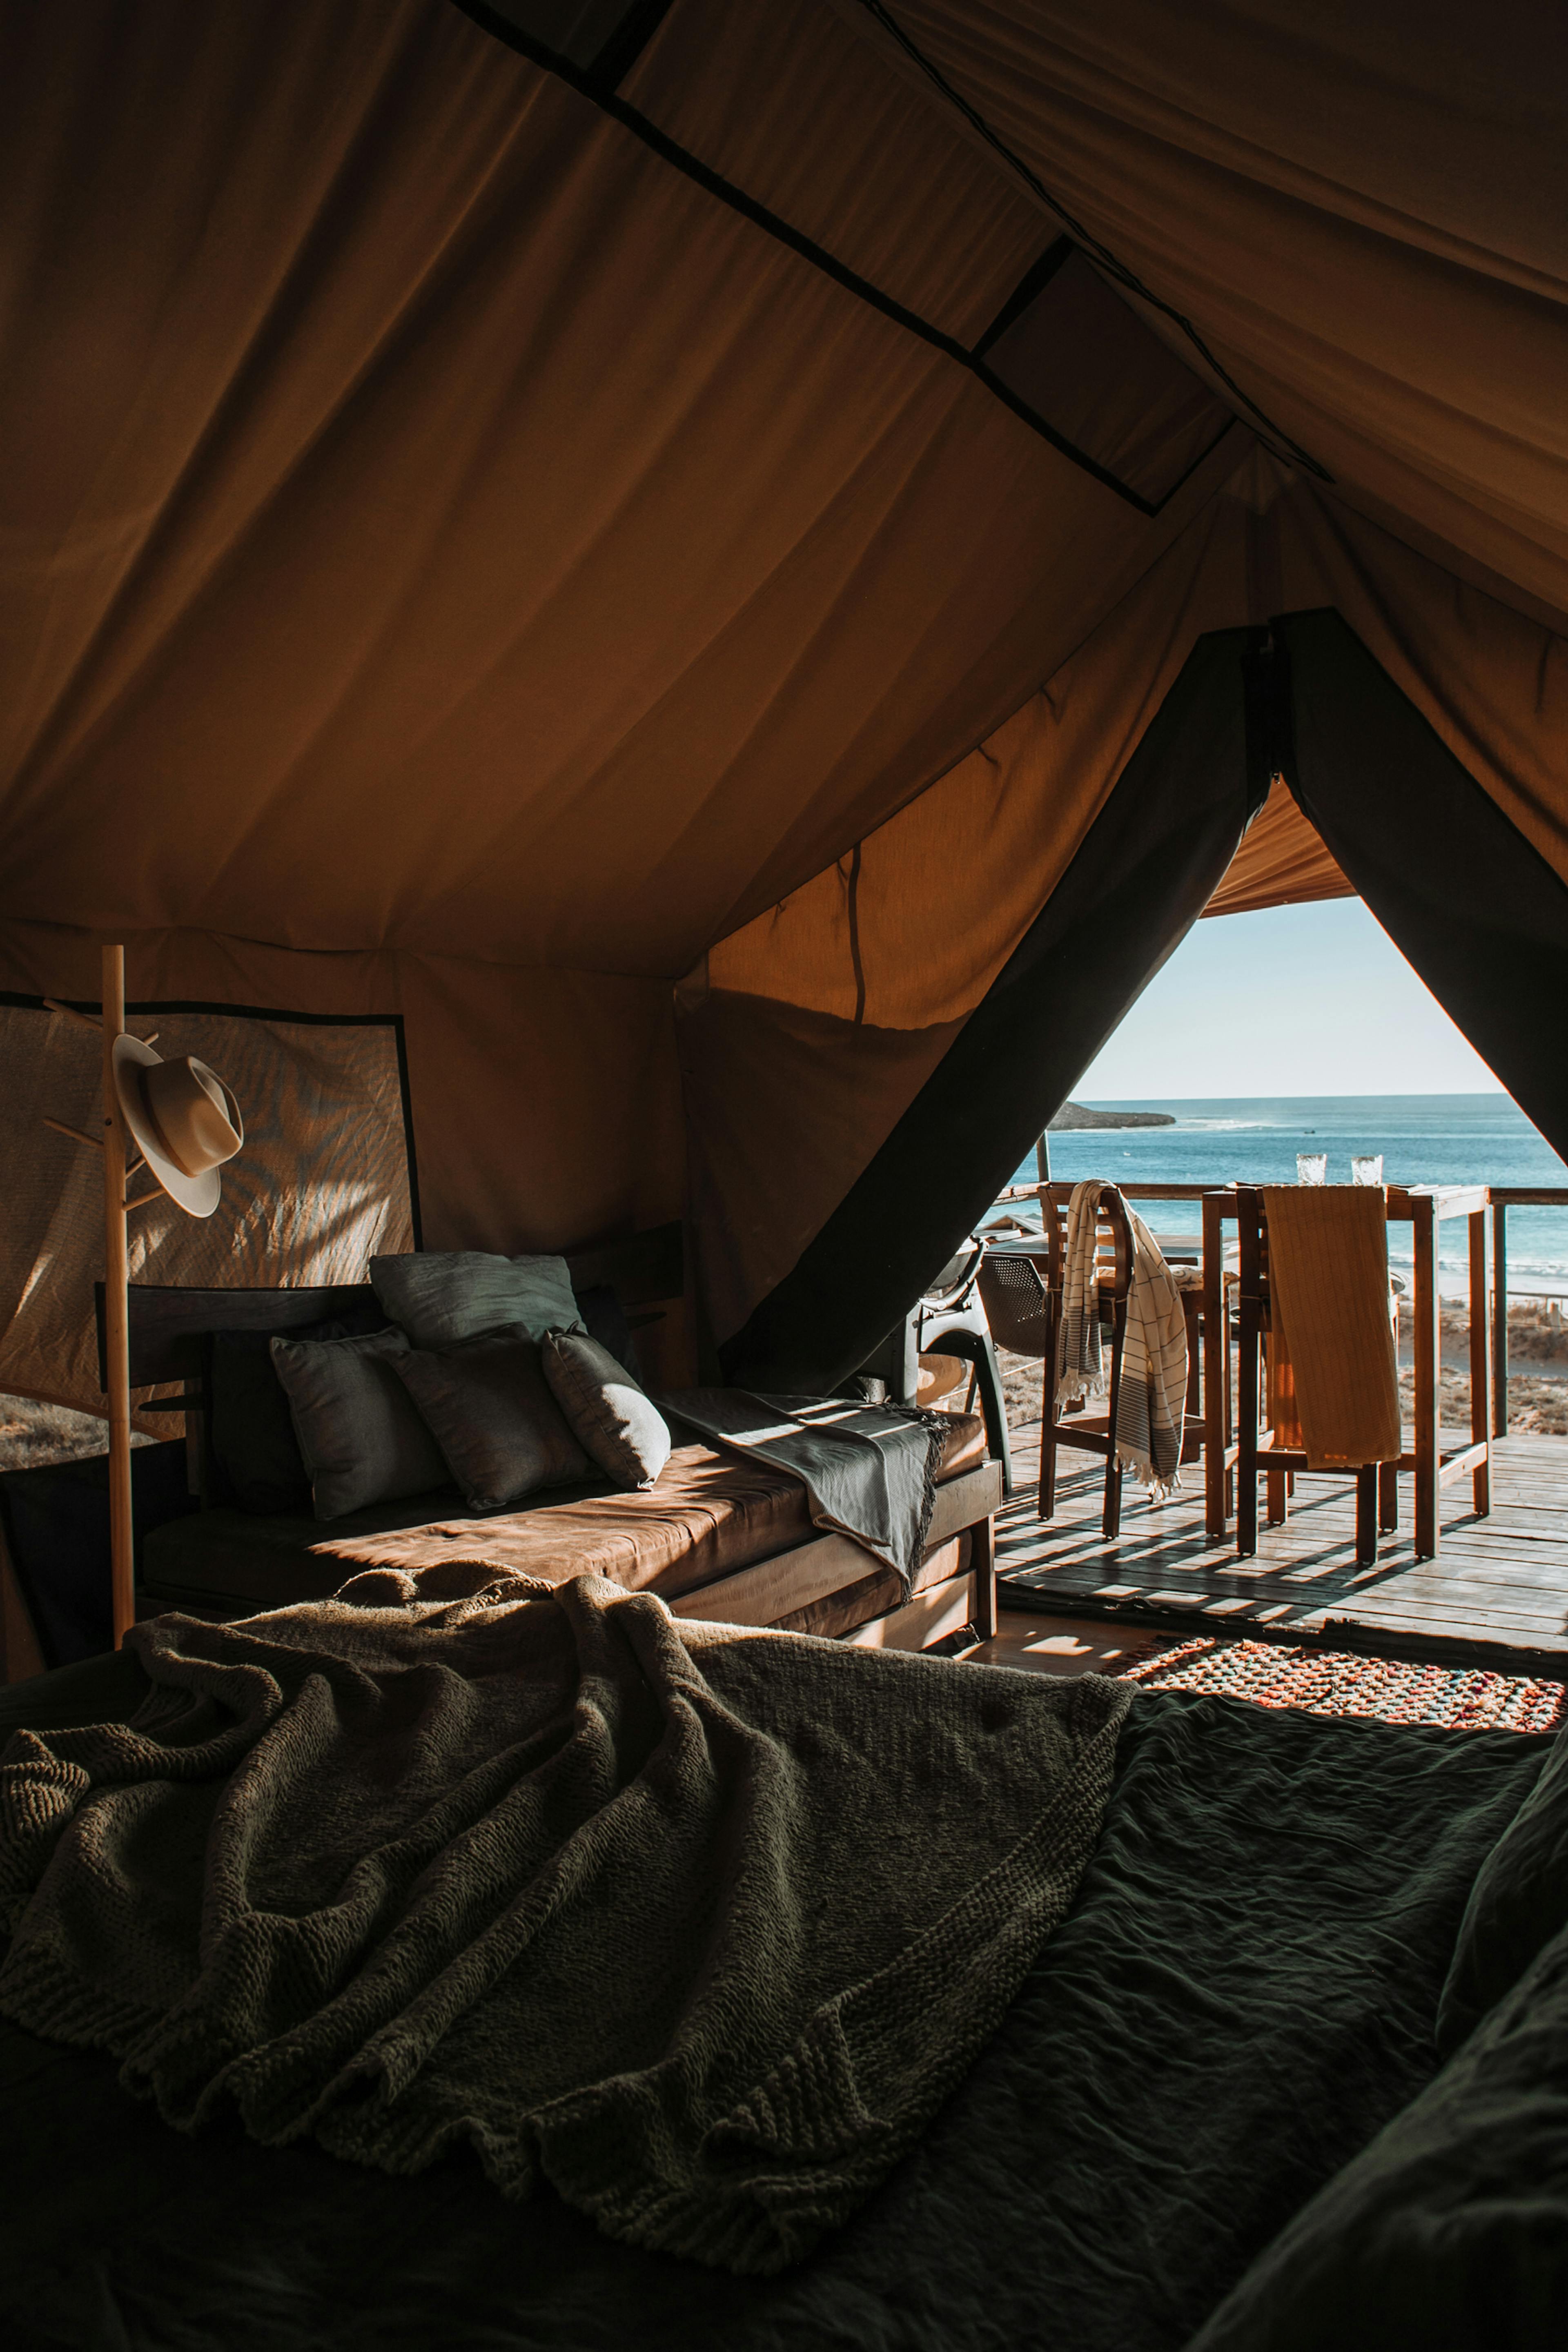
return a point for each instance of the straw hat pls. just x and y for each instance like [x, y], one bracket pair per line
[183, 1117]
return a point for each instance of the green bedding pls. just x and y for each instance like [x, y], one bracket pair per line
[1242, 1998]
[696, 1924]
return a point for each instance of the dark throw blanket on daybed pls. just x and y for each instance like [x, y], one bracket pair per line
[697, 1924]
[870, 1470]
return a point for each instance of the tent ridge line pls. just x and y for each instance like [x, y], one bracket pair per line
[589, 85]
[1091, 244]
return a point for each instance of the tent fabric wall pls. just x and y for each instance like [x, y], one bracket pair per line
[456, 565]
[322, 1184]
[1139, 880]
[545, 1104]
[1362, 210]
[1283, 862]
[483, 542]
[437, 434]
[1475, 907]
[879, 960]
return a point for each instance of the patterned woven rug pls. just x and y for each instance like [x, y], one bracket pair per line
[1332, 1682]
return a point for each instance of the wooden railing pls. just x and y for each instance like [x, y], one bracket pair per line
[1504, 1197]
[1500, 1198]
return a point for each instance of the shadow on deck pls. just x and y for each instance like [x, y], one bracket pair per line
[1498, 1581]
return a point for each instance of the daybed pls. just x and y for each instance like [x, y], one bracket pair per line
[1233, 2026]
[717, 1536]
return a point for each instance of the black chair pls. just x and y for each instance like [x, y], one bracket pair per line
[950, 1320]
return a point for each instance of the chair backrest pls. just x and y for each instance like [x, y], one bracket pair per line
[949, 1291]
[1017, 1303]
[1113, 1236]
[1319, 1289]
[1021, 1293]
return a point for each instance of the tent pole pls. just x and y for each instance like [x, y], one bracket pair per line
[116, 1310]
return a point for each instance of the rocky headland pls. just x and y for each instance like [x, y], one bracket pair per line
[1074, 1114]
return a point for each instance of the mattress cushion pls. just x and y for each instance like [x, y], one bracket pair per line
[707, 1515]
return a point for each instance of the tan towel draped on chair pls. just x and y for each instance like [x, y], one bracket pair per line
[1328, 1270]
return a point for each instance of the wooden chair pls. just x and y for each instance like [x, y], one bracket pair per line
[1022, 1289]
[1258, 1448]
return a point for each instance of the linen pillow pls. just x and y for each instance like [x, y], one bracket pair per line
[253, 1456]
[439, 1296]
[621, 1427]
[485, 1403]
[361, 1439]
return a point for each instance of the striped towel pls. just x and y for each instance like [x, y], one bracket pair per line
[1151, 1406]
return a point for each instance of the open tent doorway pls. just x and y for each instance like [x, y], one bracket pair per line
[1301, 1028]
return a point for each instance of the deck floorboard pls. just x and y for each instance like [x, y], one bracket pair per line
[1503, 1578]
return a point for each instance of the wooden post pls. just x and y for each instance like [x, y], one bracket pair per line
[1424, 1236]
[1216, 1369]
[1249, 1402]
[123, 1574]
[1500, 1318]
[1480, 1362]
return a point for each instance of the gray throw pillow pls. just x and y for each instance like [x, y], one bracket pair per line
[621, 1427]
[487, 1406]
[360, 1440]
[439, 1296]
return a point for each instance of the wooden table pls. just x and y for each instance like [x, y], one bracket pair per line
[1423, 1208]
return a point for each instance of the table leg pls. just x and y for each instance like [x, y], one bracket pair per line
[1248, 1402]
[1424, 1232]
[1480, 1362]
[1216, 1372]
[1500, 1318]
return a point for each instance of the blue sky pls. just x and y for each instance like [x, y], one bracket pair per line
[1296, 1001]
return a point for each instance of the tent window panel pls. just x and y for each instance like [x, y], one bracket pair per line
[1086, 365]
[324, 1181]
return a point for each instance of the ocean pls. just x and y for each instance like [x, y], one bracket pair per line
[1424, 1139]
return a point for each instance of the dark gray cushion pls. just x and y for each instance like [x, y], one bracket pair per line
[488, 1404]
[439, 1296]
[254, 1460]
[361, 1438]
[623, 1430]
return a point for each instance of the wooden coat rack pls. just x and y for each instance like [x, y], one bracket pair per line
[118, 1168]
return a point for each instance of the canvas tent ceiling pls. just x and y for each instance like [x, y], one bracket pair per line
[508, 512]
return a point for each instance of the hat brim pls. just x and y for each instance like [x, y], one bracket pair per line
[198, 1195]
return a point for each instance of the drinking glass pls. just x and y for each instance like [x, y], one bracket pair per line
[1311, 1167]
[1366, 1167]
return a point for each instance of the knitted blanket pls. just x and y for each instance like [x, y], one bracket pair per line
[698, 1925]
[869, 1470]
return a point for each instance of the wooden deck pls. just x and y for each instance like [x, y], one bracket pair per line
[1499, 1581]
